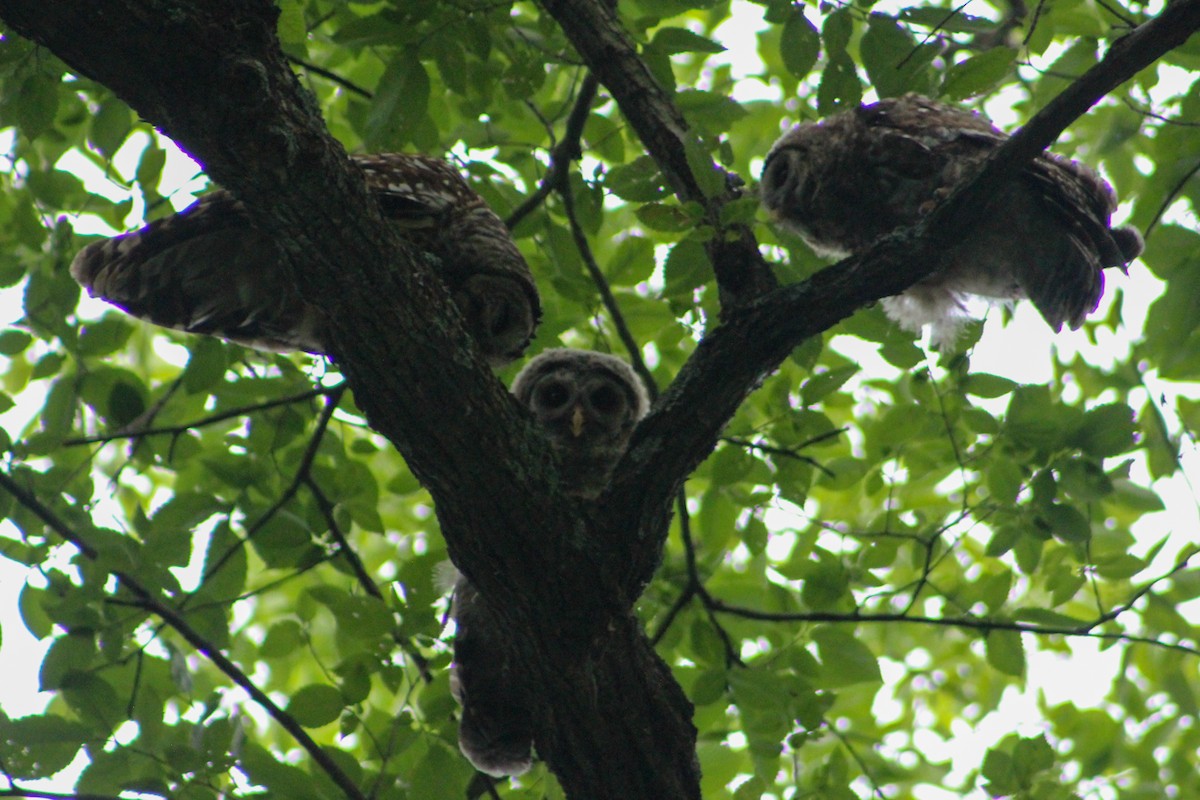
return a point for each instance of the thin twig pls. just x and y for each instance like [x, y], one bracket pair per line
[779, 451]
[695, 588]
[1171, 197]
[332, 76]
[360, 571]
[971, 623]
[175, 430]
[562, 153]
[606, 296]
[332, 399]
[339, 537]
[176, 621]
[858, 759]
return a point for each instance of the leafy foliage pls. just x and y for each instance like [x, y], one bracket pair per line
[863, 570]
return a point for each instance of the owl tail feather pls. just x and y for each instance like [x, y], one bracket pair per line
[495, 731]
[493, 751]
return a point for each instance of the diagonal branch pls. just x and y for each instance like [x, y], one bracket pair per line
[150, 602]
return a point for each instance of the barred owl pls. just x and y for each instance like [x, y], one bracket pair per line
[207, 269]
[842, 183]
[588, 404]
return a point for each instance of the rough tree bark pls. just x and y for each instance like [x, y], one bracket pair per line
[612, 722]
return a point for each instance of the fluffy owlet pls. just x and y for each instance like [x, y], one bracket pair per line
[207, 269]
[844, 182]
[588, 404]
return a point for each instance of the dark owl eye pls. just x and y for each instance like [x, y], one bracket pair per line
[777, 171]
[552, 395]
[605, 399]
[501, 320]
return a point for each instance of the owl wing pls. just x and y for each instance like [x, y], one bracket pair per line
[495, 732]
[1065, 283]
[207, 270]
[1059, 207]
[435, 208]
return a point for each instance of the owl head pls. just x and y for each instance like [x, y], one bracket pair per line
[588, 404]
[785, 171]
[791, 185]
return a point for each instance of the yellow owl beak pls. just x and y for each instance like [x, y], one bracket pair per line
[577, 422]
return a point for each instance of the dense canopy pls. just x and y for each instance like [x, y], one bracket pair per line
[831, 552]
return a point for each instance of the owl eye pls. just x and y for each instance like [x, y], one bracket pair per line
[777, 171]
[552, 395]
[605, 399]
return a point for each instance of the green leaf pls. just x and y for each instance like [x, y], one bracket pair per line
[1042, 616]
[315, 705]
[978, 74]
[894, 61]
[1067, 523]
[283, 639]
[982, 384]
[282, 780]
[710, 180]
[681, 40]
[687, 268]
[110, 126]
[358, 616]
[840, 88]
[1106, 431]
[799, 43]
[1001, 773]
[638, 181]
[400, 101]
[1036, 420]
[837, 30]
[39, 746]
[1006, 652]
[206, 365]
[105, 336]
[35, 104]
[440, 773]
[291, 27]
[1032, 756]
[939, 19]
[845, 659]
[664, 217]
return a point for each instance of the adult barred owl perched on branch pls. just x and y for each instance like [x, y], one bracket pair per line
[587, 404]
[207, 269]
[844, 182]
